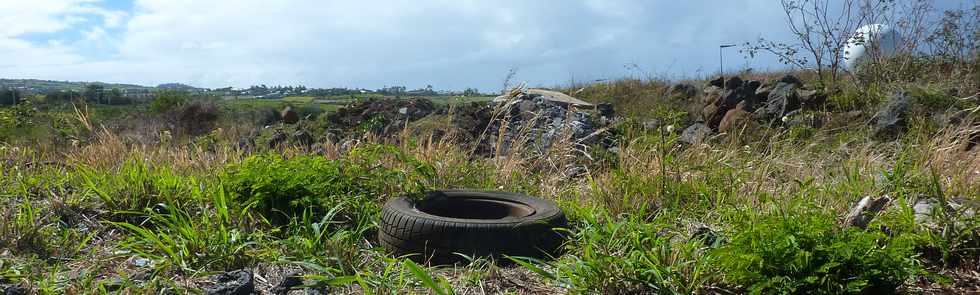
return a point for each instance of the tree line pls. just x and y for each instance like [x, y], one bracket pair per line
[93, 93]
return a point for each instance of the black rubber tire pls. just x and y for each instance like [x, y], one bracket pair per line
[428, 238]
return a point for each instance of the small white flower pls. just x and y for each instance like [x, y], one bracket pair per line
[670, 128]
[785, 119]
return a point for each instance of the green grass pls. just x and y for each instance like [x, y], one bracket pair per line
[298, 99]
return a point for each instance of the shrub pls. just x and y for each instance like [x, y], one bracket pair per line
[193, 119]
[282, 188]
[20, 115]
[166, 101]
[807, 253]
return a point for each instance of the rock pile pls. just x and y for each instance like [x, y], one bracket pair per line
[532, 119]
[724, 105]
[381, 116]
[889, 120]
[537, 121]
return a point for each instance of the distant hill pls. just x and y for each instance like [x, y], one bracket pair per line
[43, 86]
[178, 86]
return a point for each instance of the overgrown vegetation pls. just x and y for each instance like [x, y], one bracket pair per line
[159, 197]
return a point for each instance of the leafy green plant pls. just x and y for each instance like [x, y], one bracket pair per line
[440, 287]
[327, 242]
[806, 252]
[135, 186]
[27, 232]
[627, 256]
[173, 237]
[283, 188]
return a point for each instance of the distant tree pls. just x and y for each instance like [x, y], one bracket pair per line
[94, 93]
[258, 90]
[62, 96]
[9, 96]
[822, 32]
[471, 92]
[115, 97]
[393, 90]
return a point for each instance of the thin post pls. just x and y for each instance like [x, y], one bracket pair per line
[721, 59]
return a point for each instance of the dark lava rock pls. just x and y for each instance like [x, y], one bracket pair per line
[792, 80]
[973, 141]
[684, 90]
[736, 93]
[812, 99]
[552, 121]
[764, 90]
[889, 120]
[290, 281]
[752, 86]
[782, 100]
[719, 82]
[733, 83]
[705, 234]
[525, 109]
[695, 133]
[238, 282]
[18, 289]
[380, 116]
[697, 107]
[606, 110]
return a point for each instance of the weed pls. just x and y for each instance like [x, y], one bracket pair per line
[174, 238]
[281, 188]
[805, 252]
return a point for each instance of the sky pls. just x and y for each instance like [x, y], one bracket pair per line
[449, 44]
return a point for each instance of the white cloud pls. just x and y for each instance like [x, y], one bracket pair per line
[53, 58]
[41, 16]
[371, 43]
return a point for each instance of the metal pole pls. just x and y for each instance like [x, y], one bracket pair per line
[721, 59]
[721, 62]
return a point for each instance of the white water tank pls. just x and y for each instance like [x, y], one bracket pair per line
[871, 40]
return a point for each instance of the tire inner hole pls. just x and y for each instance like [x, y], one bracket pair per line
[474, 208]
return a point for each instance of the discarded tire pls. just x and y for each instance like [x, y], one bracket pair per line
[448, 223]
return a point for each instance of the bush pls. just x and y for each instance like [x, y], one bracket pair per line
[19, 116]
[805, 253]
[193, 119]
[166, 101]
[281, 188]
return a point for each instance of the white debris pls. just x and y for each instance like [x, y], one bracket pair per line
[871, 41]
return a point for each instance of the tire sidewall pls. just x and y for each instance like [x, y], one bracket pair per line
[544, 210]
